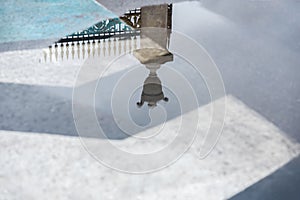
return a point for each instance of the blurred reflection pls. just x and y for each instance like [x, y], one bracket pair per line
[110, 37]
[152, 89]
[144, 32]
[153, 50]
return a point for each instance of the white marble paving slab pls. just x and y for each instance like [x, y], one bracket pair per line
[43, 166]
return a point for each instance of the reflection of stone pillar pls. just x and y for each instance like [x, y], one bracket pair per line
[158, 17]
[152, 88]
[153, 50]
[154, 16]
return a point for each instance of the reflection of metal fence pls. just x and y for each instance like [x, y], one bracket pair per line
[109, 37]
[126, 26]
[132, 18]
[170, 11]
[112, 46]
[102, 30]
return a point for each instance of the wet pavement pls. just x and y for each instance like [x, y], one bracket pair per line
[258, 62]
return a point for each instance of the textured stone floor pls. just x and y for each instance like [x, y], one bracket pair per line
[51, 166]
[41, 159]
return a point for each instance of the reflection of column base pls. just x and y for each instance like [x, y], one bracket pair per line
[153, 55]
[152, 58]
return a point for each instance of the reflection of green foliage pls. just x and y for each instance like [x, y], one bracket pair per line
[105, 26]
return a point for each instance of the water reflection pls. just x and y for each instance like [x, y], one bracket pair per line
[154, 50]
[152, 89]
[137, 87]
[110, 37]
[126, 34]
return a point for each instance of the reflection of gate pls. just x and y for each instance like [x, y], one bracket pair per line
[102, 30]
[125, 26]
[109, 37]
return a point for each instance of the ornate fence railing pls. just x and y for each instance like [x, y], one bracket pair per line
[124, 26]
[106, 38]
[102, 30]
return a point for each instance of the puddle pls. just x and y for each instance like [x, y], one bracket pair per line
[131, 72]
[140, 80]
[137, 78]
[137, 87]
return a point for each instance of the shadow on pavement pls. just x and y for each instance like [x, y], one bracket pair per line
[282, 184]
